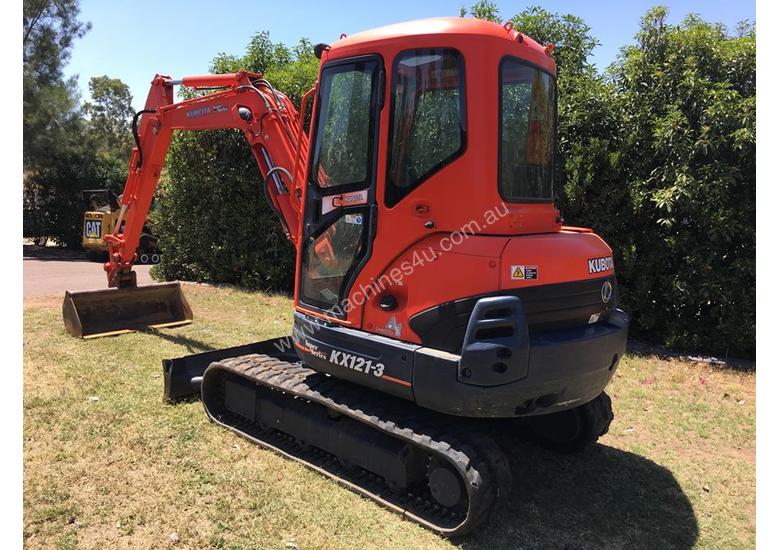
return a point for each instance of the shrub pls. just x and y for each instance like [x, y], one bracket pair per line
[211, 219]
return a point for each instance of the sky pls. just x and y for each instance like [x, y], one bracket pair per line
[135, 40]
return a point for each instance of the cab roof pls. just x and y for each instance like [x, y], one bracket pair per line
[448, 30]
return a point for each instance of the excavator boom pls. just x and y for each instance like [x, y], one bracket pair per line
[274, 131]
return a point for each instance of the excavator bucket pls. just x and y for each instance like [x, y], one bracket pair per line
[111, 311]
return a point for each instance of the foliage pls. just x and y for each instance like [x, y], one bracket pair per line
[688, 97]
[212, 219]
[53, 204]
[482, 10]
[568, 33]
[67, 147]
[50, 102]
[110, 113]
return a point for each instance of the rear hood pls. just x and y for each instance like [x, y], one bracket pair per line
[571, 255]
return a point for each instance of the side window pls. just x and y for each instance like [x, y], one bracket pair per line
[344, 144]
[428, 117]
[527, 121]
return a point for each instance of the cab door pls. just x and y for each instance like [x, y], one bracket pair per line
[340, 209]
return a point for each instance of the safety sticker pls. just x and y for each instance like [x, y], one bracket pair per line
[525, 272]
[354, 219]
[392, 328]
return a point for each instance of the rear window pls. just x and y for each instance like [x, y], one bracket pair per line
[527, 126]
[428, 117]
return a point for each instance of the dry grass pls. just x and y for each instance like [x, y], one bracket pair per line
[108, 464]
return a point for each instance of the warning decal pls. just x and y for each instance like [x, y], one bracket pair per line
[525, 272]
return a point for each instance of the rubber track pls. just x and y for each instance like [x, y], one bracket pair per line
[599, 415]
[472, 452]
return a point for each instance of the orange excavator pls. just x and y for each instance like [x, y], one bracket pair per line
[438, 296]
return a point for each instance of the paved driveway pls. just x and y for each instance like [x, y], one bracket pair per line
[51, 271]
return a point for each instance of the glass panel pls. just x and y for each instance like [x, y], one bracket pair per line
[329, 258]
[527, 131]
[428, 118]
[343, 144]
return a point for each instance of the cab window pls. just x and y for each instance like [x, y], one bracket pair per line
[527, 129]
[428, 117]
[343, 143]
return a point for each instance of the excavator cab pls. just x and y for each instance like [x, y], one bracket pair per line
[429, 189]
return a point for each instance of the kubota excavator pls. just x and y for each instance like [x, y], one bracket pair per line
[436, 289]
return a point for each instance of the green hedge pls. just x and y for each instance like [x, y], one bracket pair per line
[212, 221]
[659, 158]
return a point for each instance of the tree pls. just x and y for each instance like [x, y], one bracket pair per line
[110, 113]
[483, 10]
[57, 157]
[49, 27]
[568, 33]
[50, 102]
[61, 155]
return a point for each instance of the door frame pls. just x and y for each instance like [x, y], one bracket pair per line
[314, 222]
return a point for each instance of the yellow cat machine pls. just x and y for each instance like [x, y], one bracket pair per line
[100, 218]
[102, 208]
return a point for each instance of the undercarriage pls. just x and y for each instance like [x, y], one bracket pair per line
[444, 472]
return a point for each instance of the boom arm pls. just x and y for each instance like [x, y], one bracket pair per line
[269, 121]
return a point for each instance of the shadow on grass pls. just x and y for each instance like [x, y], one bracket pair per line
[601, 497]
[193, 346]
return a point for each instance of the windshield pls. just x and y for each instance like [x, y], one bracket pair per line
[527, 132]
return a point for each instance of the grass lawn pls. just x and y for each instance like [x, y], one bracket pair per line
[108, 464]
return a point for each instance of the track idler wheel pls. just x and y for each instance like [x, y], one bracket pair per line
[446, 486]
[573, 430]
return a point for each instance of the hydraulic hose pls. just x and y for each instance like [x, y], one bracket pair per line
[135, 135]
